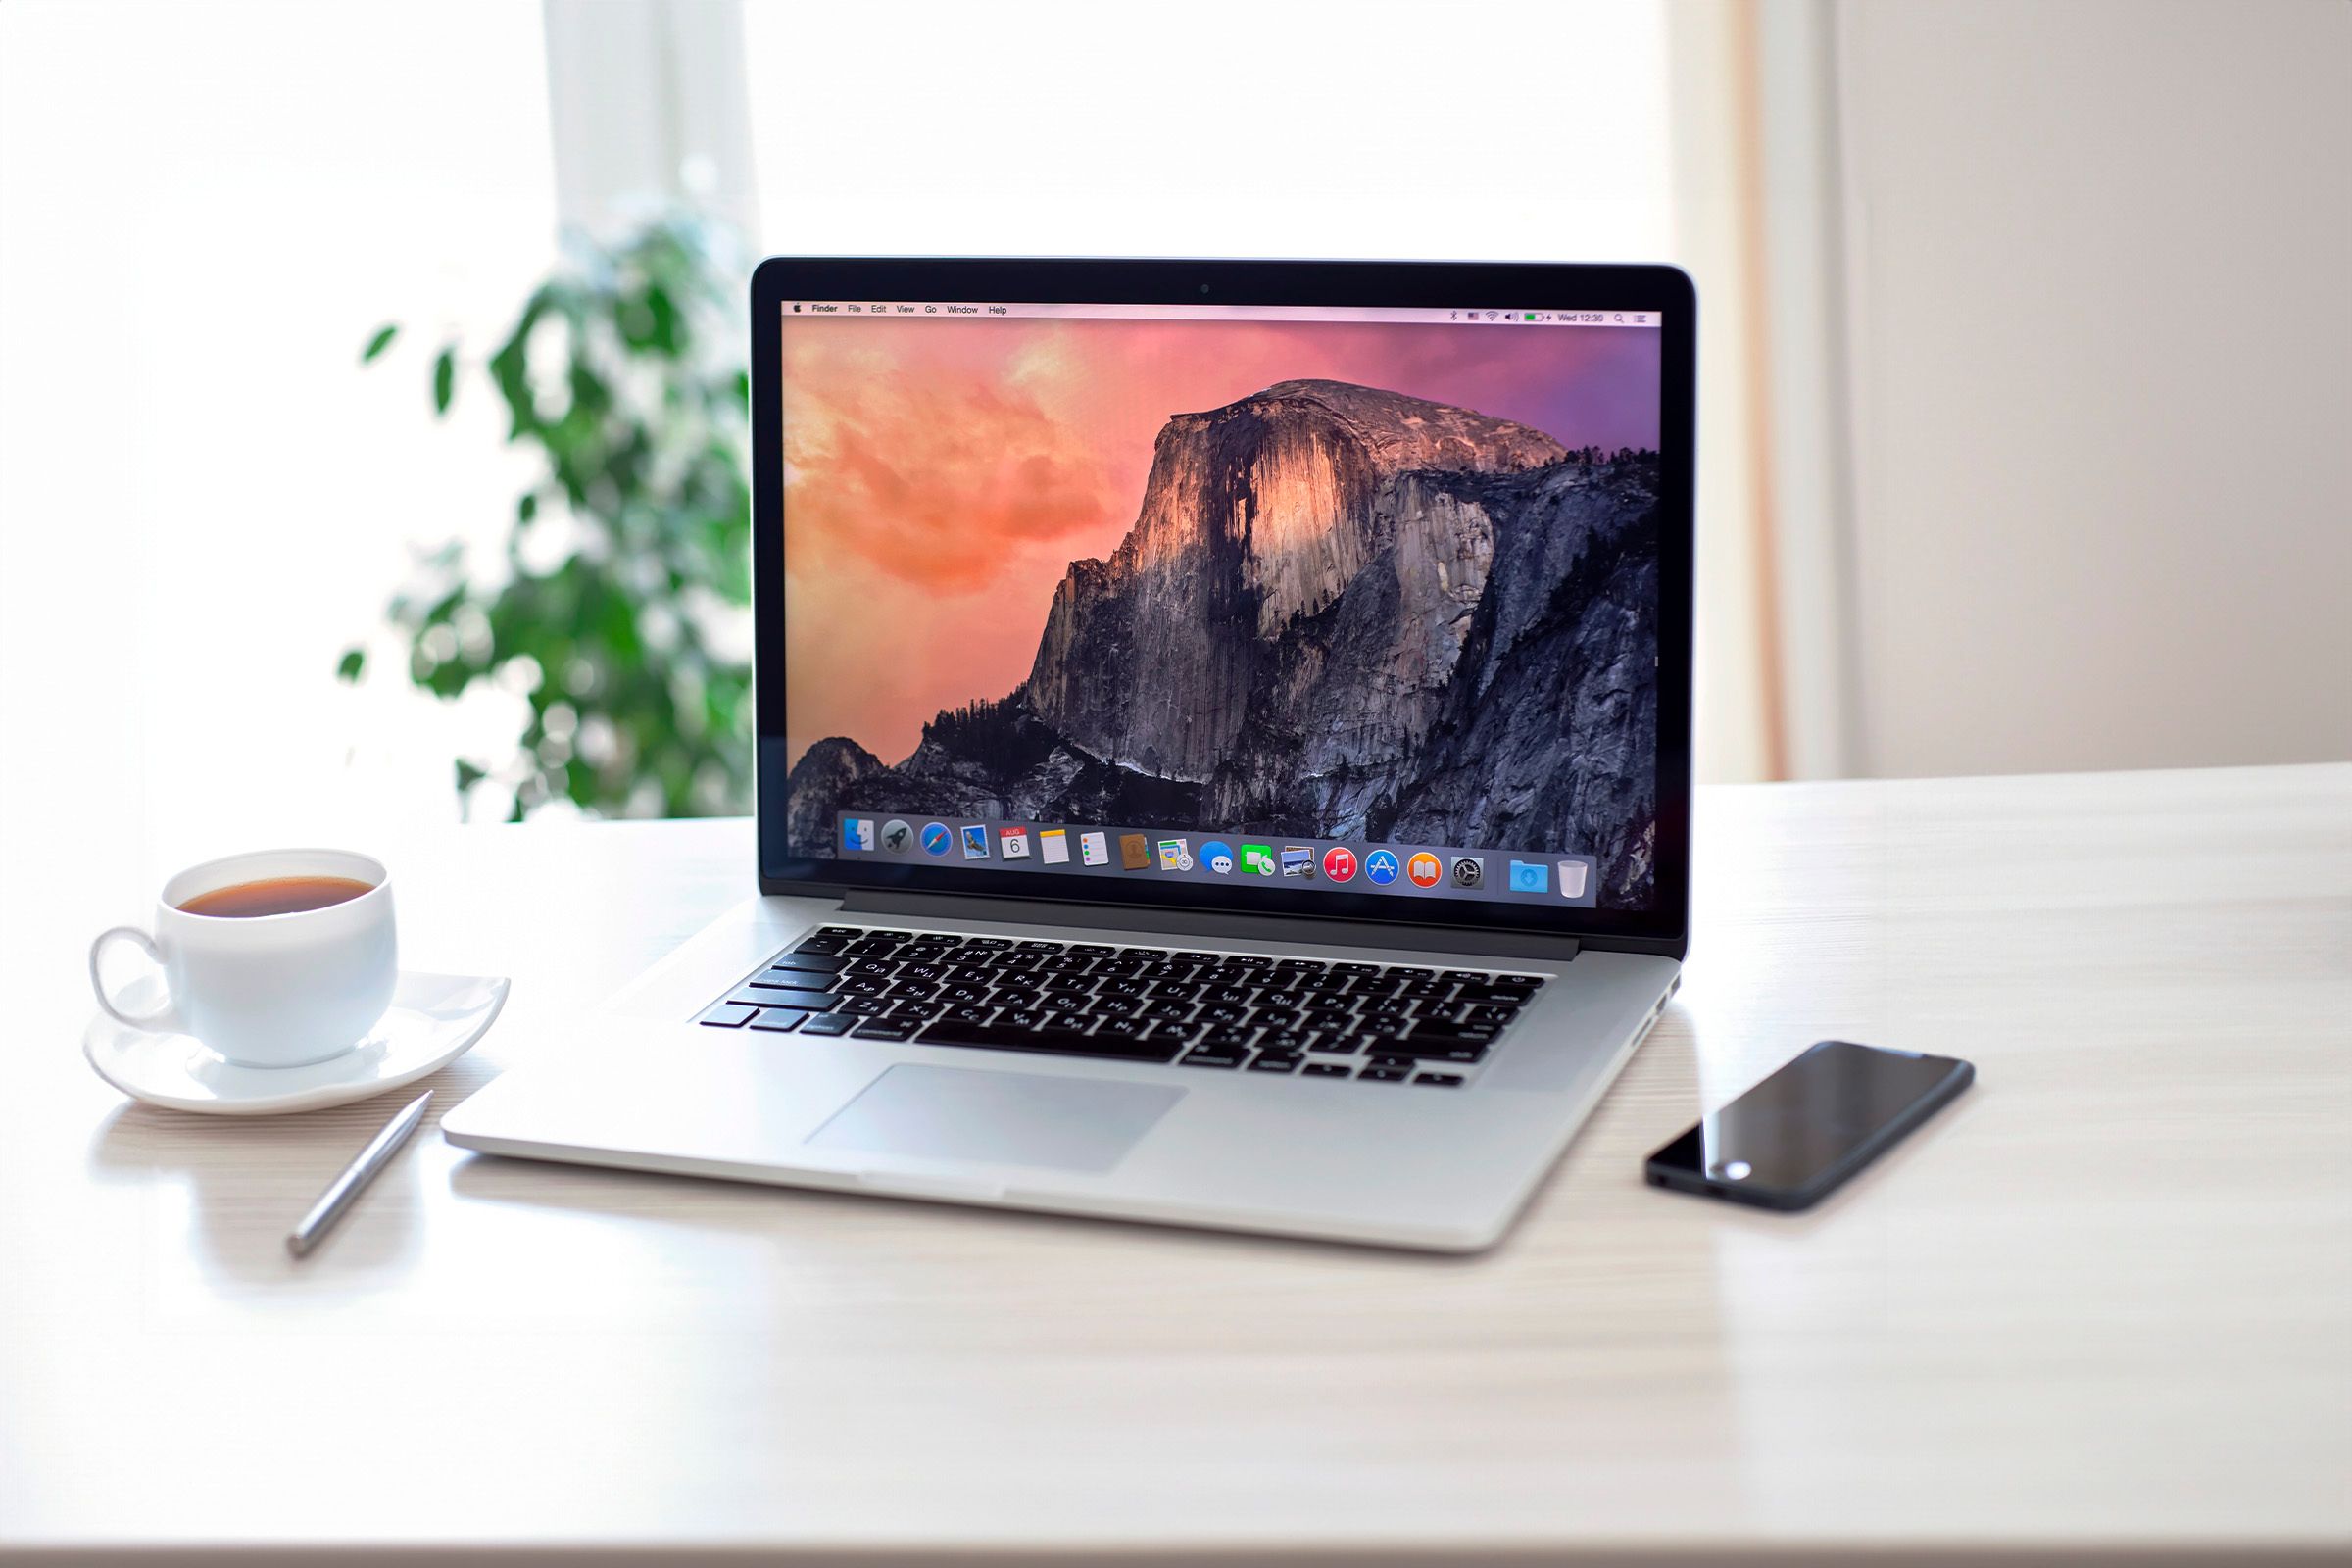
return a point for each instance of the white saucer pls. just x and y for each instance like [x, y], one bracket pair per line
[436, 1018]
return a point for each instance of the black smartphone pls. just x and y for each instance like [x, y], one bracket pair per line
[1792, 1140]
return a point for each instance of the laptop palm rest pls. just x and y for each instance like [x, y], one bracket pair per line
[1000, 1118]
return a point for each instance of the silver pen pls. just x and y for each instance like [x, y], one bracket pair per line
[356, 1177]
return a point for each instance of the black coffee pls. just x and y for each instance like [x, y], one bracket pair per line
[277, 894]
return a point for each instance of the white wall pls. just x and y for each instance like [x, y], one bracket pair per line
[2100, 269]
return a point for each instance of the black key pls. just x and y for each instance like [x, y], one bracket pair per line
[1058, 1042]
[1339, 1043]
[729, 1016]
[1195, 958]
[924, 971]
[1060, 964]
[1121, 1030]
[964, 992]
[1514, 995]
[1227, 1039]
[1067, 1019]
[1114, 1005]
[1437, 1031]
[859, 984]
[864, 1006]
[970, 1013]
[779, 1020]
[1166, 1012]
[1327, 1020]
[1416, 1047]
[1289, 1039]
[1012, 997]
[1274, 1061]
[1356, 969]
[886, 1029]
[1213, 1058]
[830, 1023]
[1384, 1075]
[1021, 1019]
[1496, 1014]
[1037, 945]
[1326, 1069]
[1222, 1012]
[812, 962]
[1386, 1022]
[871, 948]
[841, 931]
[1327, 1000]
[776, 995]
[1443, 1080]
[987, 944]
[1062, 999]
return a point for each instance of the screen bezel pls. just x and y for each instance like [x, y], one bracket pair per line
[1663, 928]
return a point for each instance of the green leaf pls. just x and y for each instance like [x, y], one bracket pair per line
[444, 378]
[382, 341]
[353, 660]
[528, 508]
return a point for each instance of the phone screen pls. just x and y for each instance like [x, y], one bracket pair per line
[1818, 1112]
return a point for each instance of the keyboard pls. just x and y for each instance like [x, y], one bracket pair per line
[1385, 1023]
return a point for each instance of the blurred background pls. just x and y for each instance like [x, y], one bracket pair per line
[370, 433]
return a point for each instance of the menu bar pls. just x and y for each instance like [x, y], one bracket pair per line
[1464, 316]
[1244, 860]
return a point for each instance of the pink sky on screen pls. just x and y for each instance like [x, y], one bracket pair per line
[940, 475]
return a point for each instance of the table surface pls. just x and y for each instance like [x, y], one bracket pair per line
[2102, 1303]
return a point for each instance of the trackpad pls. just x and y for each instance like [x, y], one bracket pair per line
[1005, 1118]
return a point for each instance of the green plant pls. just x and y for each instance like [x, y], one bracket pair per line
[625, 374]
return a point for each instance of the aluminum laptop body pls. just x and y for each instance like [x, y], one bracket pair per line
[1223, 747]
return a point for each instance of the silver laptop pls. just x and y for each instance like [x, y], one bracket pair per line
[1223, 747]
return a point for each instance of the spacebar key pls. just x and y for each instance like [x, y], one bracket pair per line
[1054, 1042]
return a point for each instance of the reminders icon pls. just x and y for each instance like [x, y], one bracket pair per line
[1094, 849]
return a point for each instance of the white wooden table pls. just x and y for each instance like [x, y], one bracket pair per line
[2101, 1308]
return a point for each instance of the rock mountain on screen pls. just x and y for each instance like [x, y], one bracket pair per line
[1341, 612]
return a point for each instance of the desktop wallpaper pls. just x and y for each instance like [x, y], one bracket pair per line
[1395, 583]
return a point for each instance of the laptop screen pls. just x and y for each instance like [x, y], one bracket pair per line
[1324, 600]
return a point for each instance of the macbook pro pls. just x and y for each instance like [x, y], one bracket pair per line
[1223, 747]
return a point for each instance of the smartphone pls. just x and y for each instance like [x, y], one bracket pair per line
[1793, 1138]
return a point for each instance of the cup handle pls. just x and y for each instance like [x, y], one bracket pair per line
[164, 1020]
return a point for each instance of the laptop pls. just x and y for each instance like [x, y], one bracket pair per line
[1223, 747]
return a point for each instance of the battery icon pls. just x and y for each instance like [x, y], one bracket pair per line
[1531, 315]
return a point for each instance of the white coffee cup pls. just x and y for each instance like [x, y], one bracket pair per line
[267, 990]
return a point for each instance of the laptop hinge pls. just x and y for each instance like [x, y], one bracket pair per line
[1215, 923]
